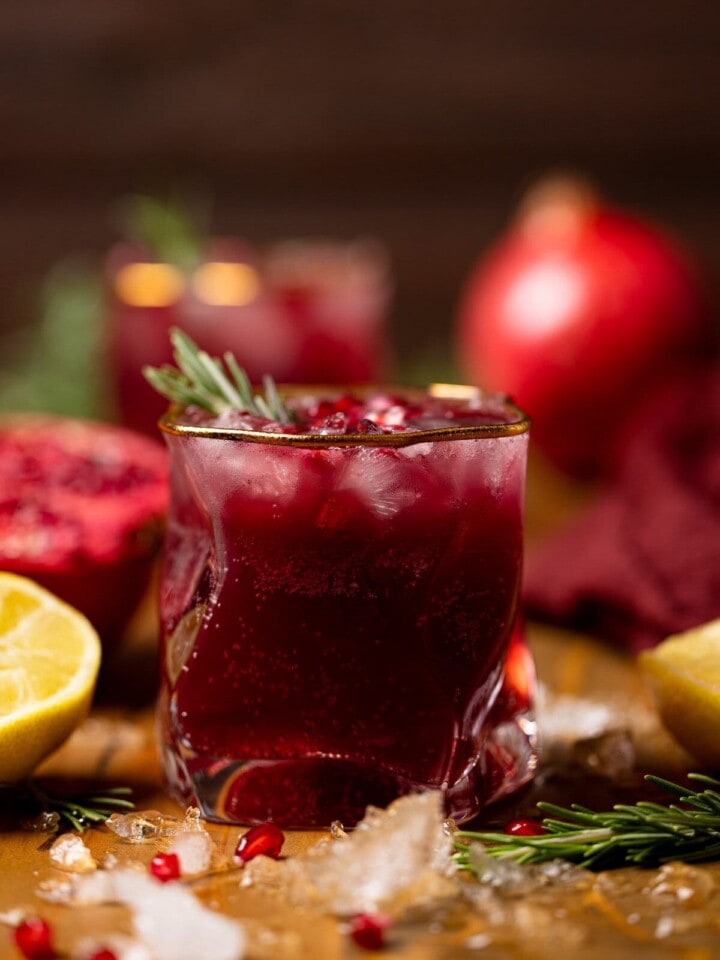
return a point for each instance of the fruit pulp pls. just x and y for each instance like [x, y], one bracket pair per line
[338, 611]
[82, 509]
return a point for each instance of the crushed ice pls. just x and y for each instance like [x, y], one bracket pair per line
[673, 901]
[511, 879]
[587, 734]
[168, 919]
[394, 859]
[188, 838]
[70, 853]
[194, 849]
[172, 922]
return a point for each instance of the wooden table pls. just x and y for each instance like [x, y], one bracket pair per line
[116, 745]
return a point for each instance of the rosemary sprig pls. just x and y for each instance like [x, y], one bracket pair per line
[642, 834]
[79, 811]
[174, 229]
[203, 381]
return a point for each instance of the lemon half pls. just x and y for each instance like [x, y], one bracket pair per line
[49, 661]
[683, 673]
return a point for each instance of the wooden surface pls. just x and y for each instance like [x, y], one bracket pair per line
[116, 745]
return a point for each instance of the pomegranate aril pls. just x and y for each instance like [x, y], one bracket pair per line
[33, 938]
[265, 839]
[103, 954]
[368, 930]
[165, 866]
[368, 426]
[525, 827]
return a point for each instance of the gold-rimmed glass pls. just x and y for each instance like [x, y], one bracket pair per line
[338, 615]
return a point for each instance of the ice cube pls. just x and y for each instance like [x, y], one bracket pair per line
[375, 479]
[566, 718]
[46, 822]
[610, 755]
[591, 735]
[194, 848]
[143, 826]
[259, 471]
[416, 450]
[70, 853]
[335, 423]
[12, 917]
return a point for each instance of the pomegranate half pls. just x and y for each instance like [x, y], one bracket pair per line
[82, 508]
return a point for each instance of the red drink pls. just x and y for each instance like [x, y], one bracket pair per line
[338, 600]
[304, 312]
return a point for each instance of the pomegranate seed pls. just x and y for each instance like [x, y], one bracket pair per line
[165, 866]
[265, 839]
[33, 938]
[525, 827]
[368, 426]
[103, 954]
[368, 930]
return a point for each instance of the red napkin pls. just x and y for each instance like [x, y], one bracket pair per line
[643, 561]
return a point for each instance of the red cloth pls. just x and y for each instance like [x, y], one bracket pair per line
[643, 561]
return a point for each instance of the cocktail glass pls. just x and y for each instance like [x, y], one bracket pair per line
[339, 617]
[302, 311]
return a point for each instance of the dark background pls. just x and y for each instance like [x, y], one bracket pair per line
[418, 123]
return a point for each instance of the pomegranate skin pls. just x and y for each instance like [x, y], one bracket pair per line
[82, 510]
[578, 312]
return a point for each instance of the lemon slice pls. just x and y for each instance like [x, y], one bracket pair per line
[683, 674]
[49, 660]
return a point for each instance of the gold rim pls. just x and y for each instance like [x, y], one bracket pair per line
[518, 425]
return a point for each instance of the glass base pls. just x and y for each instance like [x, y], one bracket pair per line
[313, 791]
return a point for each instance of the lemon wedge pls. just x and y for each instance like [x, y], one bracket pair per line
[49, 660]
[683, 674]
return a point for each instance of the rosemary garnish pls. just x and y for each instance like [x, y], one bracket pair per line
[173, 229]
[203, 381]
[642, 834]
[78, 811]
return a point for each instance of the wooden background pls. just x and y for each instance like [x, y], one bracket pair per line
[416, 122]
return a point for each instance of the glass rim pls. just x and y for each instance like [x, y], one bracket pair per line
[169, 424]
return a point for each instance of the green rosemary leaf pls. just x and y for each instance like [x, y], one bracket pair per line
[262, 406]
[203, 381]
[174, 229]
[241, 381]
[274, 400]
[80, 810]
[644, 833]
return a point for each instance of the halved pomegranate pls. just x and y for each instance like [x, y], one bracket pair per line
[82, 506]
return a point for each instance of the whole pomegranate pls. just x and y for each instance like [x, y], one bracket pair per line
[82, 506]
[577, 312]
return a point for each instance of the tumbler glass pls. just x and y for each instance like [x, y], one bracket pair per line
[339, 615]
